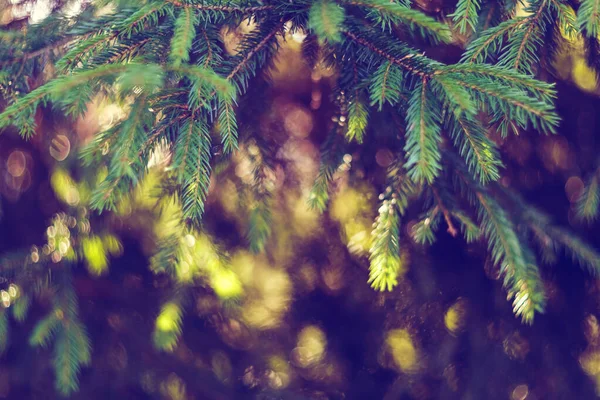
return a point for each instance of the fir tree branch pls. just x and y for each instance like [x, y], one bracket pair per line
[588, 18]
[223, 8]
[385, 262]
[325, 19]
[475, 147]
[447, 216]
[386, 85]
[521, 277]
[398, 61]
[523, 43]
[466, 15]
[37, 53]
[243, 63]
[183, 36]
[490, 40]
[358, 117]
[227, 126]
[332, 153]
[423, 135]
[389, 13]
[587, 204]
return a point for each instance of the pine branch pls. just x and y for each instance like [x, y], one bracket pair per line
[21, 307]
[386, 85]
[491, 40]
[223, 8]
[358, 117]
[183, 36]
[543, 91]
[385, 262]
[325, 19]
[469, 228]
[524, 43]
[149, 14]
[588, 18]
[227, 126]
[386, 14]
[262, 187]
[332, 153]
[587, 204]
[423, 232]
[191, 159]
[479, 152]
[423, 135]
[466, 15]
[45, 330]
[521, 276]
[442, 207]
[402, 60]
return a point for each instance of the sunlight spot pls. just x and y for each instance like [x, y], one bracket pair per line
[403, 351]
[455, 318]
[16, 163]
[520, 393]
[311, 346]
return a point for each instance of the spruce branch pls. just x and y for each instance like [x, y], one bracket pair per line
[522, 46]
[262, 186]
[385, 262]
[401, 61]
[386, 85]
[191, 159]
[588, 201]
[386, 14]
[491, 40]
[223, 8]
[466, 15]
[479, 152]
[442, 207]
[325, 19]
[358, 117]
[332, 153]
[423, 135]
[423, 232]
[149, 14]
[521, 276]
[470, 229]
[183, 36]
[227, 126]
[588, 18]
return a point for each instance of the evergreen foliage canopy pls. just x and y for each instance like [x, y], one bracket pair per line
[165, 60]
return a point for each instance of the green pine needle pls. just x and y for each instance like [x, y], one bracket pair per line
[385, 262]
[480, 152]
[423, 135]
[588, 18]
[466, 15]
[45, 330]
[423, 232]
[183, 36]
[325, 19]
[21, 307]
[358, 117]
[386, 85]
[227, 126]
[587, 204]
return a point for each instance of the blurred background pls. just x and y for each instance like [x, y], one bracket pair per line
[308, 326]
